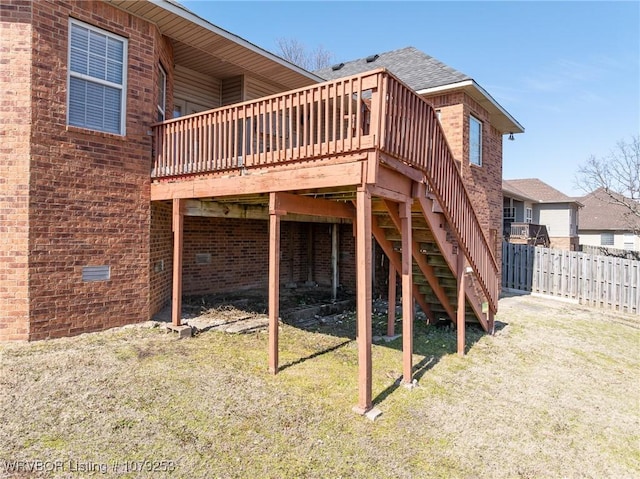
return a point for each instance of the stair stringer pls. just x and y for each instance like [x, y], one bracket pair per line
[436, 222]
[426, 269]
[396, 259]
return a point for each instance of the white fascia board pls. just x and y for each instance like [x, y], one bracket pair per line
[471, 83]
[182, 11]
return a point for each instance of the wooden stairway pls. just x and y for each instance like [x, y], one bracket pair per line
[434, 254]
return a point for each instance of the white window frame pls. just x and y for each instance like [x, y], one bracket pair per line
[162, 109]
[473, 122]
[88, 78]
[528, 215]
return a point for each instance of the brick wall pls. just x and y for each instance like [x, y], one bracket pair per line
[89, 193]
[483, 183]
[225, 255]
[161, 257]
[15, 130]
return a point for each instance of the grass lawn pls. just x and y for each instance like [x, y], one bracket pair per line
[555, 393]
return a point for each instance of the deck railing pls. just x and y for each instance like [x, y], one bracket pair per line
[328, 118]
[529, 233]
[370, 110]
[411, 132]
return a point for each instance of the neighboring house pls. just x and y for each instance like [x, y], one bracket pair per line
[533, 211]
[149, 154]
[606, 223]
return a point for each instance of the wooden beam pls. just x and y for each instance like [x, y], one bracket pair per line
[279, 179]
[178, 243]
[274, 283]
[392, 180]
[313, 206]
[403, 168]
[391, 313]
[364, 296]
[394, 257]
[491, 326]
[334, 260]
[460, 320]
[407, 297]
[421, 260]
[218, 209]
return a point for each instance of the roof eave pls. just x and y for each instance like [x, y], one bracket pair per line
[181, 11]
[503, 120]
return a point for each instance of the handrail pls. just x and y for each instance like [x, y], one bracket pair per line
[413, 134]
[302, 124]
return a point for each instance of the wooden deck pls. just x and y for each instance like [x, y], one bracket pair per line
[364, 149]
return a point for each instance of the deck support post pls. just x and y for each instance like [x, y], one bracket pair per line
[460, 316]
[178, 242]
[334, 261]
[274, 282]
[407, 292]
[491, 322]
[391, 314]
[364, 296]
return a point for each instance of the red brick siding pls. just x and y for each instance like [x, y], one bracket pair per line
[483, 183]
[239, 252]
[15, 130]
[347, 258]
[161, 264]
[89, 195]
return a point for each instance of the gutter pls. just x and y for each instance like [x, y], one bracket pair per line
[472, 83]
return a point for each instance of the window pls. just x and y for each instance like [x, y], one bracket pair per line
[528, 215]
[475, 141]
[96, 79]
[509, 213]
[628, 241]
[606, 239]
[162, 93]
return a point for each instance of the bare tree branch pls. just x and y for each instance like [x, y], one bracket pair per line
[297, 53]
[618, 174]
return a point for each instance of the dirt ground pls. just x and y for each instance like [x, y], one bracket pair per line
[555, 393]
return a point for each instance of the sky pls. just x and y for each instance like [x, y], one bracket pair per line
[569, 72]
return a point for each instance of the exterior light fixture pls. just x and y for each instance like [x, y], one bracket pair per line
[511, 137]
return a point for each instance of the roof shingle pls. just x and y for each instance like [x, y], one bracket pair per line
[599, 213]
[536, 190]
[417, 69]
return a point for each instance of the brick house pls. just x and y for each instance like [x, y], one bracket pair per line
[121, 189]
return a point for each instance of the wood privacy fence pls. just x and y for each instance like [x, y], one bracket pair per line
[606, 251]
[595, 280]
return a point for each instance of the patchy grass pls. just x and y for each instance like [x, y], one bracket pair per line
[555, 393]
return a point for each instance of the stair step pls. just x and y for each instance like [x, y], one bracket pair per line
[438, 311]
[435, 260]
[439, 271]
[421, 236]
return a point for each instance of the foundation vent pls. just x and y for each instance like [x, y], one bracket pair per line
[96, 273]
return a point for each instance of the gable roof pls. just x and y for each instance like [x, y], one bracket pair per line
[599, 213]
[426, 75]
[417, 69]
[535, 190]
